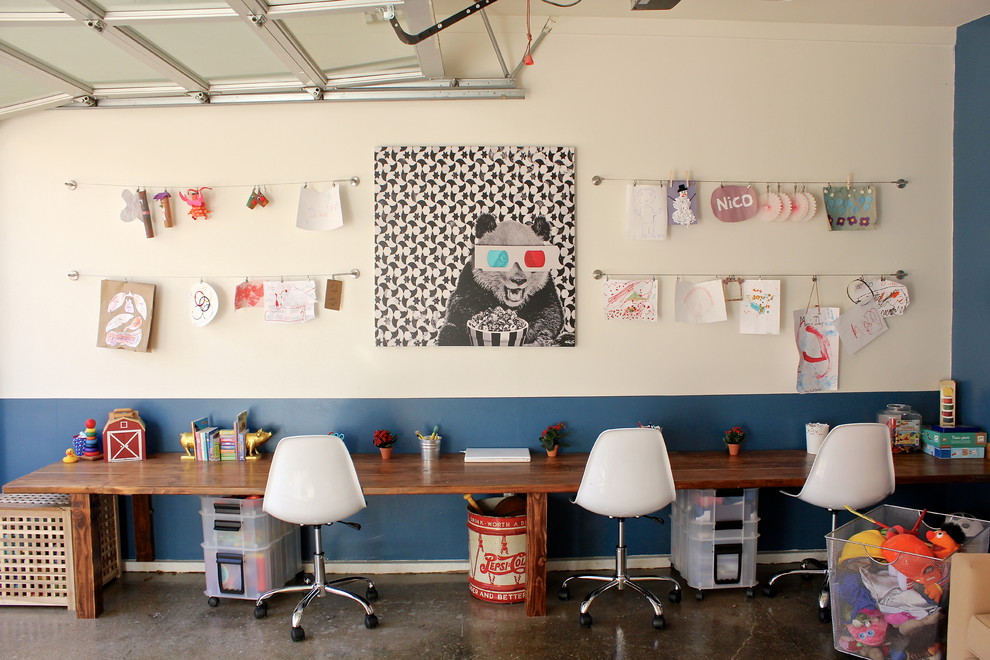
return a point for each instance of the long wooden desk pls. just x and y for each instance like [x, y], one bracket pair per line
[407, 474]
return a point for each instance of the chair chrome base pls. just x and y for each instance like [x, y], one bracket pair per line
[318, 589]
[808, 567]
[621, 580]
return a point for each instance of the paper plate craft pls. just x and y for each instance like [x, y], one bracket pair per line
[851, 207]
[785, 207]
[734, 203]
[203, 304]
[769, 207]
[196, 202]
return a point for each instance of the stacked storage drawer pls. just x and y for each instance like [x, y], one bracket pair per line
[246, 551]
[713, 542]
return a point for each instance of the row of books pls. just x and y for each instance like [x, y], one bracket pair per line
[215, 444]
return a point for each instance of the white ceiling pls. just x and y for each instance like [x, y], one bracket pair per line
[179, 52]
[918, 13]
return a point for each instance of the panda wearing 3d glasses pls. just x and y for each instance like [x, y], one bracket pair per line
[506, 283]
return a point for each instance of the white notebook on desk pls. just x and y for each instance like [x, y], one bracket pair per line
[496, 455]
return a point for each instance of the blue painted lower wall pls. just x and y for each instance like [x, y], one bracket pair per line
[36, 432]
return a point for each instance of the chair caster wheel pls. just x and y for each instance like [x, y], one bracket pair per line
[751, 593]
[370, 621]
[212, 601]
[261, 611]
[700, 595]
[824, 616]
[371, 594]
[769, 590]
[674, 596]
[297, 634]
[659, 622]
[564, 593]
[585, 620]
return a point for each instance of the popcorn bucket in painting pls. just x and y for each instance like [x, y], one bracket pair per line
[497, 554]
[481, 336]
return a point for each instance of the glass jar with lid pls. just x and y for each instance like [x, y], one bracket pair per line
[905, 427]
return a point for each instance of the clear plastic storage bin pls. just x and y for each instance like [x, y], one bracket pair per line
[893, 605]
[248, 573]
[714, 538]
[246, 531]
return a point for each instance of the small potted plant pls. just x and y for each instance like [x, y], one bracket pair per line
[384, 440]
[550, 439]
[733, 439]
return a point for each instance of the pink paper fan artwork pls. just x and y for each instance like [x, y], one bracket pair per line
[812, 206]
[799, 207]
[769, 207]
[785, 207]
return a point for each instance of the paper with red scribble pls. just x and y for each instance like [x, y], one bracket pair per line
[630, 300]
[817, 336]
[861, 325]
[699, 303]
[892, 297]
[290, 302]
[248, 294]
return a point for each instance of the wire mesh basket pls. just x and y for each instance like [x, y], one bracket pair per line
[889, 594]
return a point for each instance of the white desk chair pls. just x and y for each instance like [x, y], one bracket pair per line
[627, 476]
[312, 481]
[854, 468]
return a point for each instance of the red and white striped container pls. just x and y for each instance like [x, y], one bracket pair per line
[480, 337]
[497, 553]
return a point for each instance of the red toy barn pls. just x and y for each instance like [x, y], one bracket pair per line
[124, 438]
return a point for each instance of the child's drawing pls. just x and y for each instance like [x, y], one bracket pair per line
[818, 349]
[760, 307]
[646, 213]
[699, 303]
[861, 325]
[682, 207]
[630, 300]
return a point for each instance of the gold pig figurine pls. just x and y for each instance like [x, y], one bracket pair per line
[254, 440]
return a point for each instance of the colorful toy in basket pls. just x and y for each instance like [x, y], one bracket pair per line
[867, 635]
[946, 540]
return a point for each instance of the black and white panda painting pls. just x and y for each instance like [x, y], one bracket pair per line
[474, 243]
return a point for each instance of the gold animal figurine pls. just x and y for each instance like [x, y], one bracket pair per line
[253, 441]
[188, 442]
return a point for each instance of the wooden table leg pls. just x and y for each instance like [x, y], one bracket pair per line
[87, 564]
[144, 533]
[536, 554]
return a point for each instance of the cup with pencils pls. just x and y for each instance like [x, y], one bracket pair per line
[429, 445]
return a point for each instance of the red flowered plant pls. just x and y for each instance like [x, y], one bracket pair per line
[734, 436]
[551, 436]
[384, 438]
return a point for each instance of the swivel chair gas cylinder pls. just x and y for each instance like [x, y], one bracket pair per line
[312, 481]
[627, 476]
[853, 468]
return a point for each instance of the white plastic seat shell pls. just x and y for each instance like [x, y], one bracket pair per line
[854, 468]
[627, 474]
[312, 481]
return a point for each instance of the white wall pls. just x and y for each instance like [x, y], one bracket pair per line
[741, 102]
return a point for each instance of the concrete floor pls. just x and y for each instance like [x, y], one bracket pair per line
[423, 617]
